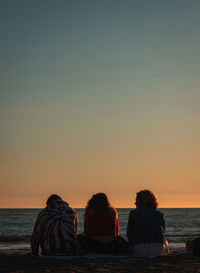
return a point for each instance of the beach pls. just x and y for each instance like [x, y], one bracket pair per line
[163, 264]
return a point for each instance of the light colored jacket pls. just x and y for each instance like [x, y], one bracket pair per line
[55, 231]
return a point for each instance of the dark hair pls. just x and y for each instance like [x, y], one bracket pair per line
[99, 204]
[52, 198]
[146, 199]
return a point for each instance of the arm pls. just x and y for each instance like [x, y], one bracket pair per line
[86, 229]
[163, 222]
[75, 223]
[35, 239]
[117, 224]
[117, 229]
[130, 226]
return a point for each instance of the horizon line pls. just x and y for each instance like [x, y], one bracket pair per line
[117, 208]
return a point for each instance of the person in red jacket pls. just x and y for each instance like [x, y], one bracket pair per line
[101, 228]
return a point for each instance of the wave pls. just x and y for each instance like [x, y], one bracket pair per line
[15, 238]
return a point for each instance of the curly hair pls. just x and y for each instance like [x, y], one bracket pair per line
[99, 204]
[146, 199]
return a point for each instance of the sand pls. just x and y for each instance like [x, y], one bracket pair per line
[165, 264]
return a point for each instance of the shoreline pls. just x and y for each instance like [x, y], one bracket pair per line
[26, 263]
[19, 246]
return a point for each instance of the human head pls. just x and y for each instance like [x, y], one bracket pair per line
[52, 198]
[99, 203]
[146, 199]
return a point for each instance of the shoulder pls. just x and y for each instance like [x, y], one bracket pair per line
[133, 212]
[113, 212]
[89, 213]
[157, 214]
[42, 213]
[41, 217]
[73, 211]
[160, 213]
[69, 210]
[62, 210]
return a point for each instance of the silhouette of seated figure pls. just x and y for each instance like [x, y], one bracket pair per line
[55, 230]
[146, 226]
[101, 228]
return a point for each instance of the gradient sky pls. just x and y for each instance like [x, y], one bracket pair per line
[99, 96]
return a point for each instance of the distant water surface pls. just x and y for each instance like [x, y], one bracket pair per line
[16, 226]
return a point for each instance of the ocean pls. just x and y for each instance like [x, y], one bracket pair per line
[16, 226]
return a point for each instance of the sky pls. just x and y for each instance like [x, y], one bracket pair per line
[99, 96]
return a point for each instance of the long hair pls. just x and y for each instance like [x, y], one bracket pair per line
[146, 199]
[99, 204]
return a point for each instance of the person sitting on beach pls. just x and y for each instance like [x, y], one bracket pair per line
[146, 226]
[101, 228]
[55, 230]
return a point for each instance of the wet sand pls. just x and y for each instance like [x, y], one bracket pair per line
[164, 264]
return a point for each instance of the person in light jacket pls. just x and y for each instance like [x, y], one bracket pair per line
[55, 230]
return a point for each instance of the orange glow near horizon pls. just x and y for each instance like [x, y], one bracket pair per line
[103, 97]
[30, 203]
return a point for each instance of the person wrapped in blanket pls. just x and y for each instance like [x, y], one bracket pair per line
[101, 228]
[55, 230]
[146, 226]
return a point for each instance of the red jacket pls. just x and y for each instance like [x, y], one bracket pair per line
[100, 224]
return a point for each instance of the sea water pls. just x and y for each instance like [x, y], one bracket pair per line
[16, 226]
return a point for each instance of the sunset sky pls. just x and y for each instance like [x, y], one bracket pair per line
[99, 96]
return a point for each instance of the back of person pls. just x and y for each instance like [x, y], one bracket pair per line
[55, 231]
[101, 228]
[146, 227]
[102, 224]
